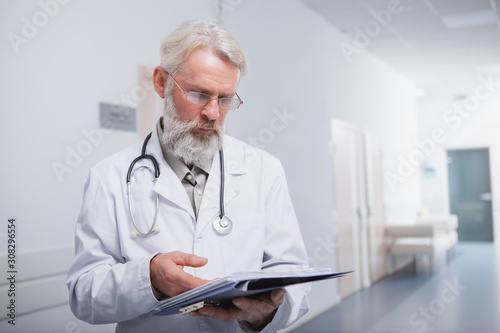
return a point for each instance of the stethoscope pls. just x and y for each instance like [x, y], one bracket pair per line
[221, 223]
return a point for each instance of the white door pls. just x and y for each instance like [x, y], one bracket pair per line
[348, 197]
[375, 208]
[145, 96]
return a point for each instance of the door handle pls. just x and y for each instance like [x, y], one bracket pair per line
[485, 196]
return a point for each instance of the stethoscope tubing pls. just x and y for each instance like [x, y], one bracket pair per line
[129, 189]
[222, 182]
[223, 225]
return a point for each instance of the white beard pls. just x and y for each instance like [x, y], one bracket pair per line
[193, 149]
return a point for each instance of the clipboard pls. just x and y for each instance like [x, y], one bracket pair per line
[240, 284]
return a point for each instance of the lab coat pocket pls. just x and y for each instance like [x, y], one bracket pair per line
[243, 248]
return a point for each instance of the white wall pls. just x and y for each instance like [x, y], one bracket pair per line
[296, 65]
[89, 52]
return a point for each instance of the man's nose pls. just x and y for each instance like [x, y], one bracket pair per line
[211, 110]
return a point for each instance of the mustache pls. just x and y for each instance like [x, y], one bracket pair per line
[208, 124]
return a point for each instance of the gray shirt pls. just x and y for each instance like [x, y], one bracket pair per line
[193, 180]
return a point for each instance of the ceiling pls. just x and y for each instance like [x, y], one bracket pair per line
[443, 46]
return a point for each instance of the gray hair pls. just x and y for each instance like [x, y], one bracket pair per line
[192, 34]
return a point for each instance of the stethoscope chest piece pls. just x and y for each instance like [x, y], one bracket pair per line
[223, 225]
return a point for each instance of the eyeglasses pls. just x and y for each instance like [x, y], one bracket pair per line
[199, 98]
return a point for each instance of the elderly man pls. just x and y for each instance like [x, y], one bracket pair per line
[184, 219]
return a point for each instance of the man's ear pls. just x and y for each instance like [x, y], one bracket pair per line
[160, 79]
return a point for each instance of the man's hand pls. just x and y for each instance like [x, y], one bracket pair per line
[167, 275]
[258, 312]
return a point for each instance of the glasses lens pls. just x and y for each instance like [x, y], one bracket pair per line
[229, 103]
[198, 98]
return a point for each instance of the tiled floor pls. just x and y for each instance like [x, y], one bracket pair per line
[461, 297]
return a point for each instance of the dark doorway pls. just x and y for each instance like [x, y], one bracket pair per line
[470, 193]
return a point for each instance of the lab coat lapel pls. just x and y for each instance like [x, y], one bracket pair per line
[168, 184]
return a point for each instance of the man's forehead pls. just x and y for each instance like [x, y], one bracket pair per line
[203, 67]
[203, 59]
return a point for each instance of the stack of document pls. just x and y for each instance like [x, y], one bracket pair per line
[241, 284]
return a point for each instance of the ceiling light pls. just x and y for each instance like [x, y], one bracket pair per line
[469, 20]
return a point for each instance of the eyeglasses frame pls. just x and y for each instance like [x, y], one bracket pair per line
[211, 98]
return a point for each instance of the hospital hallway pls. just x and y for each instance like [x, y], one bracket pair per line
[460, 297]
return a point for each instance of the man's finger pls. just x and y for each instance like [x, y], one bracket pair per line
[186, 259]
[188, 281]
[255, 304]
[277, 296]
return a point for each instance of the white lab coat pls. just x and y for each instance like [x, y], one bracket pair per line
[109, 278]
